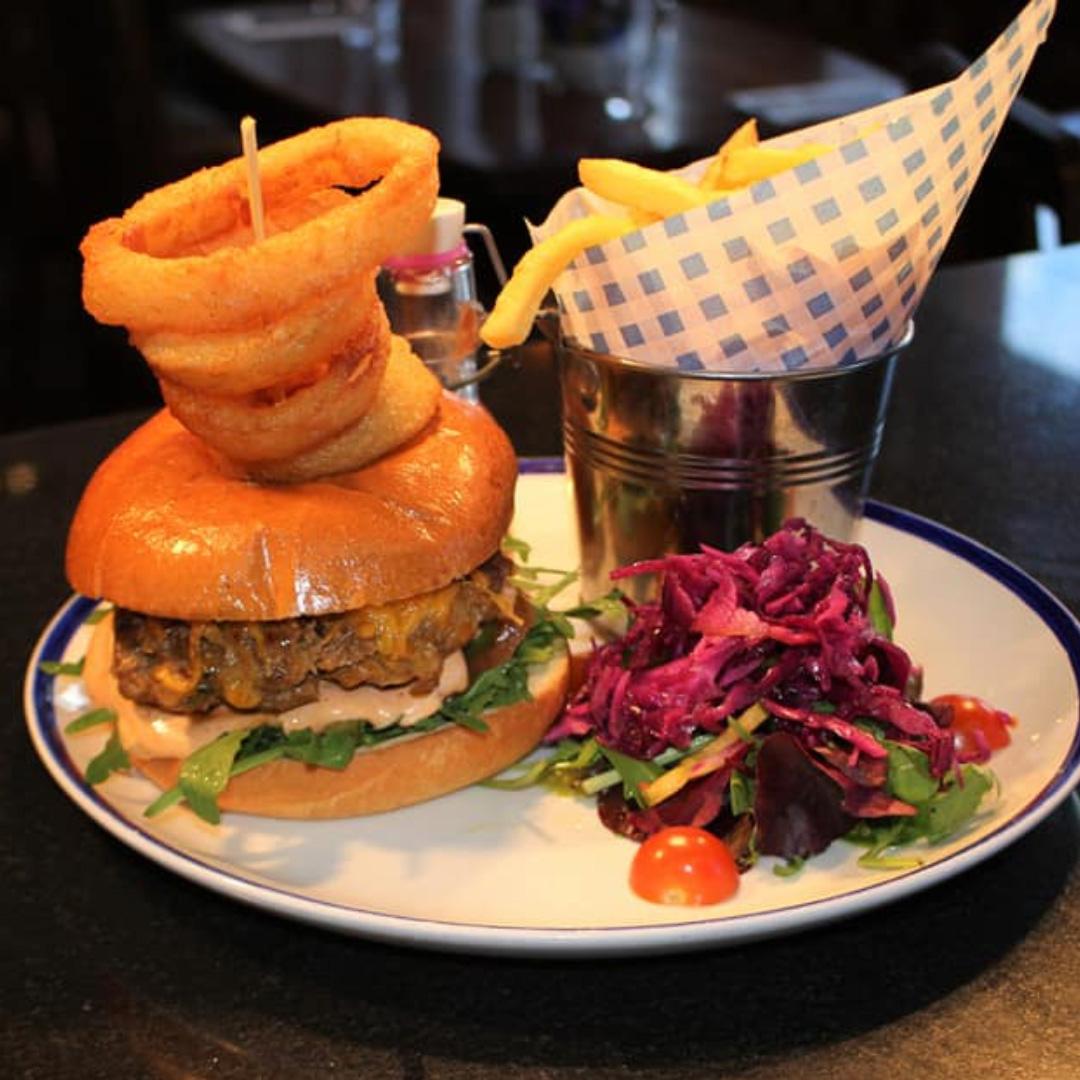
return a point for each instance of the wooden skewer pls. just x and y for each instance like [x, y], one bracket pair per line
[255, 195]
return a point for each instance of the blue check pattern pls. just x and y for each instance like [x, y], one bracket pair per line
[823, 264]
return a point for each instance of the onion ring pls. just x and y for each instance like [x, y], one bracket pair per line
[266, 355]
[269, 427]
[408, 399]
[183, 258]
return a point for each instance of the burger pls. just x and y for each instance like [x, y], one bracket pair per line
[309, 611]
[339, 646]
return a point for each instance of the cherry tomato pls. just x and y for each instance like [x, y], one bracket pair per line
[684, 865]
[977, 727]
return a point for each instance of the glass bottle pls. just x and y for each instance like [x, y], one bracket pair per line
[429, 291]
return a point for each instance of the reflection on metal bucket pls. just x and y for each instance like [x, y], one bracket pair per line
[664, 461]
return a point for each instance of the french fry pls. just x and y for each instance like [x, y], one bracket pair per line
[645, 196]
[639, 188]
[748, 164]
[520, 298]
[641, 218]
[713, 179]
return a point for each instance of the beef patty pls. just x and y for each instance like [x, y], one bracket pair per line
[193, 667]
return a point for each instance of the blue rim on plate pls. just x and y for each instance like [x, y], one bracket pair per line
[568, 940]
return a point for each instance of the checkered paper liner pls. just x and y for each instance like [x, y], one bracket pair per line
[820, 265]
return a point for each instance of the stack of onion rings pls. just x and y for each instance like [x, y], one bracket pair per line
[408, 400]
[276, 352]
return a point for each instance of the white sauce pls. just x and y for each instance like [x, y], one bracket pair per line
[152, 733]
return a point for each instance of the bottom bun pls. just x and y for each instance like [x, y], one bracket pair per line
[409, 770]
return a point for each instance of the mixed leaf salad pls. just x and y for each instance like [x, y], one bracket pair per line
[761, 696]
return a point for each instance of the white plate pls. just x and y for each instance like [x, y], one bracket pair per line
[535, 873]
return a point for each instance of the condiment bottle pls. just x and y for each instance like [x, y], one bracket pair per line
[429, 291]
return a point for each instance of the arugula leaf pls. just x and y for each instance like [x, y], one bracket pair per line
[90, 719]
[61, 667]
[542, 642]
[112, 758]
[577, 765]
[508, 683]
[263, 750]
[332, 748]
[485, 638]
[633, 772]
[517, 548]
[878, 835]
[563, 769]
[909, 774]
[878, 611]
[205, 774]
[611, 606]
[527, 580]
[498, 686]
[942, 808]
[789, 867]
[956, 804]
[166, 799]
[741, 793]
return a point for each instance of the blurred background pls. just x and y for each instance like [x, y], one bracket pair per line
[130, 94]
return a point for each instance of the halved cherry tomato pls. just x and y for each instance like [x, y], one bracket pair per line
[978, 728]
[684, 865]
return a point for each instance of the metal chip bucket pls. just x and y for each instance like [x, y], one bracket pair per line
[666, 460]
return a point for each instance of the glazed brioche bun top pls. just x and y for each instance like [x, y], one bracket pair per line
[166, 528]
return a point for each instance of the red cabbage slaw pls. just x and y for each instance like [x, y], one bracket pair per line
[761, 695]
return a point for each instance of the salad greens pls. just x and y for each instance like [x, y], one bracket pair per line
[761, 696]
